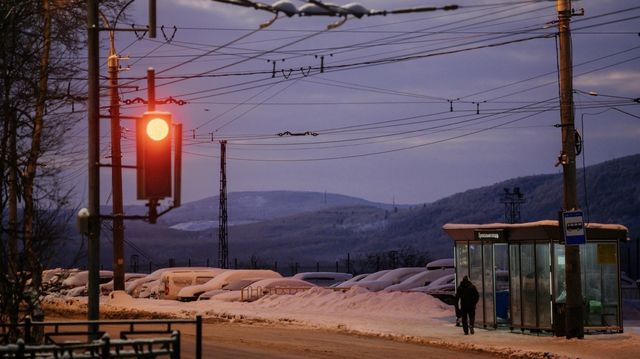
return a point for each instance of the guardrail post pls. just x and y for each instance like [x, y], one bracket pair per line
[27, 330]
[106, 347]
[198, 337]
[175, 353]
[20, 352]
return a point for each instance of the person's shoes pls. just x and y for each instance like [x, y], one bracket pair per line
[471, 330]
[465, 333]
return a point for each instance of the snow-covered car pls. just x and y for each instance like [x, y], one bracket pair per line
[444, 284]
[435, 270]
[82, 278]
[230, 292]
[135, 287]
[371, 276]
[172, 281]
[274, 286]
[149, 290]
[323, 279]
[394, 276]
[77, 291]
[107, 288]
[52, 278]
[443, 288]
[630, 288]
[355, 279]
[441, 264]
[222, 279]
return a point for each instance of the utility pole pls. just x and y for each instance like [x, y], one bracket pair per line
[512, 202]
[223, 232]
[93, 108]
[574, 306]
[116, 169]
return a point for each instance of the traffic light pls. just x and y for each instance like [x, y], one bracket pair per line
[153, 154]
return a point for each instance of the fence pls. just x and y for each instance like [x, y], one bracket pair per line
[129, 345]
[103, 348]
[250, 294]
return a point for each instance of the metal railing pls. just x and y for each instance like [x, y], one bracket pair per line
[249, 294]
[56, 337]
[101, 349]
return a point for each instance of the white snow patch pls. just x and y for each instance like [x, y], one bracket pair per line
[412, 317]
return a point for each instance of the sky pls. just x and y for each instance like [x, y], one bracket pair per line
[410, 108]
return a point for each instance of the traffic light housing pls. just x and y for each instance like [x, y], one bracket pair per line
[153, 155]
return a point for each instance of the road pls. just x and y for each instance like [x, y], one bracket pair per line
[222, 339]
[232, 340]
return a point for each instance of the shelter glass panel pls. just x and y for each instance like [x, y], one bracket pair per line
[528, 273]
[462, 260]
[475, 274]
[501, 261]
[600, 282]
[543, 273]
[560, 292]
[488, 290]
[514, 278]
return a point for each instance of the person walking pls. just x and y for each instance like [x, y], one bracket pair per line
[466, 299]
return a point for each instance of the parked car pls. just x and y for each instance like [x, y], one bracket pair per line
[107, 288]
[323, 279]
[394, 276]
[630, 288]
[441, 264]
[172, 281]
[230, 292]
[444, 284]
[135, 287]
[80, 279]
[371, 276]
[190, 293]
[435, 270]
[355, 279]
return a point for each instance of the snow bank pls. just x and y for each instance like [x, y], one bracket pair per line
[410, 317]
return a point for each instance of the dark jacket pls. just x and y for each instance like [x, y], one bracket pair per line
[466, 295]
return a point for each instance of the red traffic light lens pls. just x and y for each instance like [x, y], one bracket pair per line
[157, 129]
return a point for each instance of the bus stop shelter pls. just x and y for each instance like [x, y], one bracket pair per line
[519, 270]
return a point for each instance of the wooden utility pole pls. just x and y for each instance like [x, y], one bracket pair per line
[574, 307]
[116, 170]
[223, 232]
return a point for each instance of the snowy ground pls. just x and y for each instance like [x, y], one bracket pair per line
[413, 317]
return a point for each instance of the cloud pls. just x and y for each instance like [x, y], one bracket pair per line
[622, 82]
[232, 15]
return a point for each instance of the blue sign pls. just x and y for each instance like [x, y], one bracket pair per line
[574, 232]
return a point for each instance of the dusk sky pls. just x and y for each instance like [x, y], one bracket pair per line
[442, 113]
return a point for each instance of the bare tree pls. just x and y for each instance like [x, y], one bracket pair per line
[39, 68]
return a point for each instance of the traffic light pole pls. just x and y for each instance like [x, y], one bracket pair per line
[574, 306]
[151, 106]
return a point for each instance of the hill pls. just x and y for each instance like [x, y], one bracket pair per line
[303, 227]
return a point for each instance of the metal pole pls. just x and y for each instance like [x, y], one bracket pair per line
[223, 232]
[116, 172]
[575, 310]
[93, 108]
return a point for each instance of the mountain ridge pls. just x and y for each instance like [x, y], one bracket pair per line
[300, 227]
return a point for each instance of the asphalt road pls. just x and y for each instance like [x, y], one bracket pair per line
[223, 340]
[231, 340]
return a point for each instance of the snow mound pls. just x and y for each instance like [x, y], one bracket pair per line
[357, 301]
